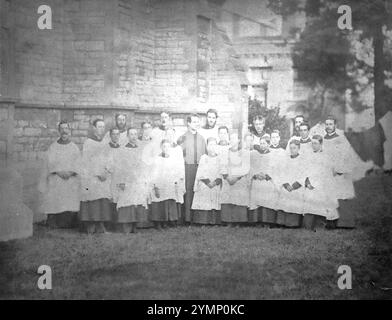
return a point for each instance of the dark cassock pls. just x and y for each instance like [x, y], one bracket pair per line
[193, 146]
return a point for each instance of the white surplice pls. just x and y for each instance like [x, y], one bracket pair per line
[94, 163]
[263, 193]
[237, 165]
[60, 195]
[131, 171]
[322, 200]
[206, 198]
[168, 176]
[291, 170]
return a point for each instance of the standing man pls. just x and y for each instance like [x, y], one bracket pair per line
[159, 133]
[210, 130]
[121, 125]
[297, 122]
[193, 146]
[95, 208]
[257, 130]
[61, 181]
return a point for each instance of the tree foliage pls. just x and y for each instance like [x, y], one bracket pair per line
[329, 59]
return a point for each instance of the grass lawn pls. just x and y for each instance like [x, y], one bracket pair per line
[211, 262]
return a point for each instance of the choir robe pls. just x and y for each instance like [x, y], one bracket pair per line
[193, 146]
[291, 170]
[277, 152]
[61, 195]
[158, 134]
[123, 139]
[322, 200]
[206, 201]
[130, 171]
[96, 194]
[235, 198]
[167, 175]
[209, 133]
[336, 147]
[263, 193]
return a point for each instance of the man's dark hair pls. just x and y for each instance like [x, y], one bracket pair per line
[96, 121]
[258, 117]
[299, 116]
[193, 115]
[62, 122]
[112, 129]
[305, 124]
[214, 111]
[223, 127]
[330, 117]
[318, 138]
[146, 122]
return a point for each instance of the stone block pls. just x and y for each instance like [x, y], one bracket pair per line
[32, 132]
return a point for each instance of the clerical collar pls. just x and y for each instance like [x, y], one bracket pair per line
[305, 141]
[95, 138]
[293, 157]
[223, 143]
[275, 147]
[61, 141]
[114, 145]
[131, 145]
[263, 151]
[332, 135]
[164, 155]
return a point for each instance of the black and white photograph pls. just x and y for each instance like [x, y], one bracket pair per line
[215, 150]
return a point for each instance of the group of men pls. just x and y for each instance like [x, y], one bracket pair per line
[121, 177]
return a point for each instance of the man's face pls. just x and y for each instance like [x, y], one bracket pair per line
[211, 119]
[330, 126]
[316, 145]
[298, 121]
[120, 121]
[211, 147]
[147, 130]
[259, 125]
[132, 135]
[194, 124]
[223, 135]
[275, 138]
[294, 149]
[165, 119]
[99, 128]
[304, 132]
[263, 144]
[115, 135]
[64, 131]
